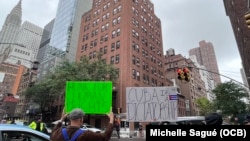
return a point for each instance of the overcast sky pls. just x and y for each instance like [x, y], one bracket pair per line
[184, 24]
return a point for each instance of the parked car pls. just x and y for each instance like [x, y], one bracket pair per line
[9, 132]
[91, 128]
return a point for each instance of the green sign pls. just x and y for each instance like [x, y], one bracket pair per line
[93, 97]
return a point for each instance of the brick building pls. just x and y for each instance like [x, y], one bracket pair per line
[128, 34]
[191, 90]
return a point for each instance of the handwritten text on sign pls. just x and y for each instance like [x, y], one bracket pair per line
[149, 103]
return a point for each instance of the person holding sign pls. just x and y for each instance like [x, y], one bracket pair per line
[73, 132]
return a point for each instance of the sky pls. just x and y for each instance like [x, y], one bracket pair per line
[184, 24]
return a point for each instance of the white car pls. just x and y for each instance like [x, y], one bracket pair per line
[91, 128]
[12, 132]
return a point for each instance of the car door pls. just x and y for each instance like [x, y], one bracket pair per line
[21, 136]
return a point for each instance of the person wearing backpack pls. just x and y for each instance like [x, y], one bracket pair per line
[73, 132]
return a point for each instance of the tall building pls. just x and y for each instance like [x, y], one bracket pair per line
[30, 36]
[65, 33]
[129, 36]
[205, 56]
[235, 10]
[206, 77]
[44, 48]
[26, 49]
[10, 29]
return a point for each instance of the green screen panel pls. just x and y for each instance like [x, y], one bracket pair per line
[93, 97]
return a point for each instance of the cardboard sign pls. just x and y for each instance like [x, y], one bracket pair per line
[146, 104]
[93, 97]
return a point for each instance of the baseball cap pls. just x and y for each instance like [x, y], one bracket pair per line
[76, 114]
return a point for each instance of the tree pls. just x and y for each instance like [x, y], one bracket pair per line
[229, 97]
[40, 94]
[84, 70]
[204, 105]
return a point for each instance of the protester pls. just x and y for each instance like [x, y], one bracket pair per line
[76, 116]
[213, 119]
[140, 130]
[117, 127]
[38, 125]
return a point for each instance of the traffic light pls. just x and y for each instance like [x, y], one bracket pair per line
[186, 74]
[179, 73]
[247, 18]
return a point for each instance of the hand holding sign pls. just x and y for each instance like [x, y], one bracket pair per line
[111, 116]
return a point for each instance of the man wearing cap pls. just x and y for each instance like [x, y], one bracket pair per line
[76, 121]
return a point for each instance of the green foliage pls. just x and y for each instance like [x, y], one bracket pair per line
[204, 105]
[229, 97]
[84, 70]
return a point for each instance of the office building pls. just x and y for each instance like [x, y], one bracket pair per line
[10, 30]
[30, 36]
[65, 32]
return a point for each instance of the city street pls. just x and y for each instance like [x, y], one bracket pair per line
[127, 139]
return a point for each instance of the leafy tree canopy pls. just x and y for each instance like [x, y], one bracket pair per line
[229, 97]
[204, 105]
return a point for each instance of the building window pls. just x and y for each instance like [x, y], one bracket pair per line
[133, 74]
[138, 75]
[114, 22]
[112, 60]
[119, 8]
[138, 61]
[114, 11]
[118, 20]
[103, 28]
[113, 34]
[133, 60]
[117, 58]
[118, 44]
[105, 50]
[101, 50]
[112, 46]
[107, 26]
[118, 32]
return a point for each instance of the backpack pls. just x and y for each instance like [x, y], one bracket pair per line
[74, 137]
